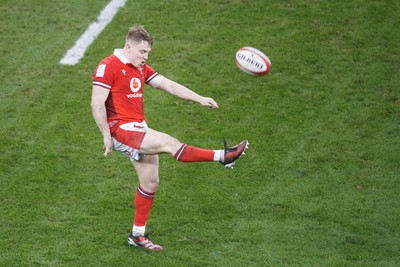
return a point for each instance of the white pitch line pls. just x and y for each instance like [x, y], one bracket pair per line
[75, 53]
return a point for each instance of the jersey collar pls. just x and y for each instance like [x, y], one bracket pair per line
[120, 56]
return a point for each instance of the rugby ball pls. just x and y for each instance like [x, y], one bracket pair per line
[252, 61]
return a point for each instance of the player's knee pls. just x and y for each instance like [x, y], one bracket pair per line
[172, 144]
[153, 184]
[150, 185]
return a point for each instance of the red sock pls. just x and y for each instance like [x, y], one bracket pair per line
[143, 203]
[193, 154]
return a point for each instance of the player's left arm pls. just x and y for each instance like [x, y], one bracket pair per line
[178, 90]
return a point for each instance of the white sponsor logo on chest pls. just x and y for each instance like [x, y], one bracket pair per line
[135, 85]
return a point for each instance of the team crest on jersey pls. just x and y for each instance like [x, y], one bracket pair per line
[135, 84]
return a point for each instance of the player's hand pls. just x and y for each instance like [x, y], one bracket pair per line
[209, 102]
[108, 146]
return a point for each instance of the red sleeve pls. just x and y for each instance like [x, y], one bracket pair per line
[150, 74]
[103, 75]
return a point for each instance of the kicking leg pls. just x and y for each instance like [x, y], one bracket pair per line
[156, 142]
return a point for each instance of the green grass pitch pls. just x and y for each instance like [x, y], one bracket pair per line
[319, 185]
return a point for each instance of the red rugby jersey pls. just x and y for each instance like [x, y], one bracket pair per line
[126, 85]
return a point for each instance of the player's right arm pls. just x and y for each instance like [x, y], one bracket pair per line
[99, 97]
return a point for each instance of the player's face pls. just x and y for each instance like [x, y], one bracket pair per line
[137, 53]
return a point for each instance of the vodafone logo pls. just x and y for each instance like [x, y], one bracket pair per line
[135, 85]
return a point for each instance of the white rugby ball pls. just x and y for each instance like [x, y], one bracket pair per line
[252, 61]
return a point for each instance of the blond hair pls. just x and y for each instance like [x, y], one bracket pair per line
[138, 34]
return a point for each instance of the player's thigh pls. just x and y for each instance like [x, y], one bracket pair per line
[155, 142]
[147, 171]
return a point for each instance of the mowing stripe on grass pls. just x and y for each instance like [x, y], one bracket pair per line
[75, 53]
